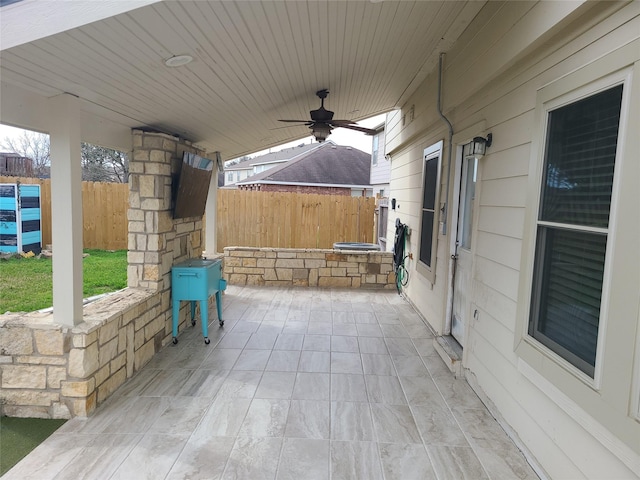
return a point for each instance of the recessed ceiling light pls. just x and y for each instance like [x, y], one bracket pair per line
[178, 60]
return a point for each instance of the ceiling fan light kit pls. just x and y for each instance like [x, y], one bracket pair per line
[322, 121]
[321, 132]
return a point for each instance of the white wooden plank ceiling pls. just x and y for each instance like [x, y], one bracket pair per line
[254, 62]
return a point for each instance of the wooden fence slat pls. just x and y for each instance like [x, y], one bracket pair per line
[104, 212]
[245, 218]
[292, 220]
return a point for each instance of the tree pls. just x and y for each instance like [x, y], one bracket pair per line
[100, 164]
[32, 145]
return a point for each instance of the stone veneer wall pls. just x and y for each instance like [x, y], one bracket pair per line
[51, 371]
[308, 267]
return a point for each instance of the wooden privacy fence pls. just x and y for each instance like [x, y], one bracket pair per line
[104, 212]
[104, 215]
[292, 220]
[245, 218]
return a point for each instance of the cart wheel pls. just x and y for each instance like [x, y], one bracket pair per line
[207, 341]
[193, 322]
[175, 340]
[221, 323]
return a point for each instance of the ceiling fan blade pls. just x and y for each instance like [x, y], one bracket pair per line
[306, 122]
[289, 126]
[343, 122]
[368, 131]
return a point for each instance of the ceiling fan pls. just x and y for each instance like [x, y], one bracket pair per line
[322, 122]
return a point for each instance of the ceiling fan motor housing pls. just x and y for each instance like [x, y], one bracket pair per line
[321, 115]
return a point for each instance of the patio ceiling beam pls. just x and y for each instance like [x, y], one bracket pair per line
[24, 109]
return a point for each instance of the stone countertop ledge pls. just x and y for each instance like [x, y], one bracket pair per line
[94, 314]
[212, 256]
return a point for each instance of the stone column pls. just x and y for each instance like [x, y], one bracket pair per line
[156, 239]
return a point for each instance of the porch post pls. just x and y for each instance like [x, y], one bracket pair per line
[66, 209]
[211, 217]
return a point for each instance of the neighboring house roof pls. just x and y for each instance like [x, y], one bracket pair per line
[379, 128]
[329, 164]
[280, 156]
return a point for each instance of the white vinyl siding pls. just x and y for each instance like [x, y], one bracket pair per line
[380, 166]
[576, 427]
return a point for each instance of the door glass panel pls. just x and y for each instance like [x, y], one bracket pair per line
[467, 197]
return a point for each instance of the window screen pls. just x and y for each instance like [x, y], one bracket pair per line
[428, 209]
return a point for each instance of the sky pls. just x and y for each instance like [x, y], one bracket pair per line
[7, 131]
[341, 136]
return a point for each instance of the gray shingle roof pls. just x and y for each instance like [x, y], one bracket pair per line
[281, 155]
[330, 164]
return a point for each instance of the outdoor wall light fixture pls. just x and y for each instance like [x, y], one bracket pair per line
[178, 60]
[479, 145]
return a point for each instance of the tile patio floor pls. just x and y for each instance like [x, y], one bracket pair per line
[300, 384]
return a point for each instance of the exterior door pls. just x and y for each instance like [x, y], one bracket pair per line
[462, 280]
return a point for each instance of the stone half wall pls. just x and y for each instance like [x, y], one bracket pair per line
[308, 267]
[50, 371]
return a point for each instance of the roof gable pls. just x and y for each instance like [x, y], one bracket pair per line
[330, 164]
[280, 156]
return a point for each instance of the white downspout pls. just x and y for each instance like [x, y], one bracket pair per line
[445, 210]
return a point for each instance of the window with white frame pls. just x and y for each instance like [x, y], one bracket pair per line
[576, 325]
[573, 226]
[429, 212]
[374, 148]
[230, 177]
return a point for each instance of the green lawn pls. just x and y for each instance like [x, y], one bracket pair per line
[18, 436]
[26, 284]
